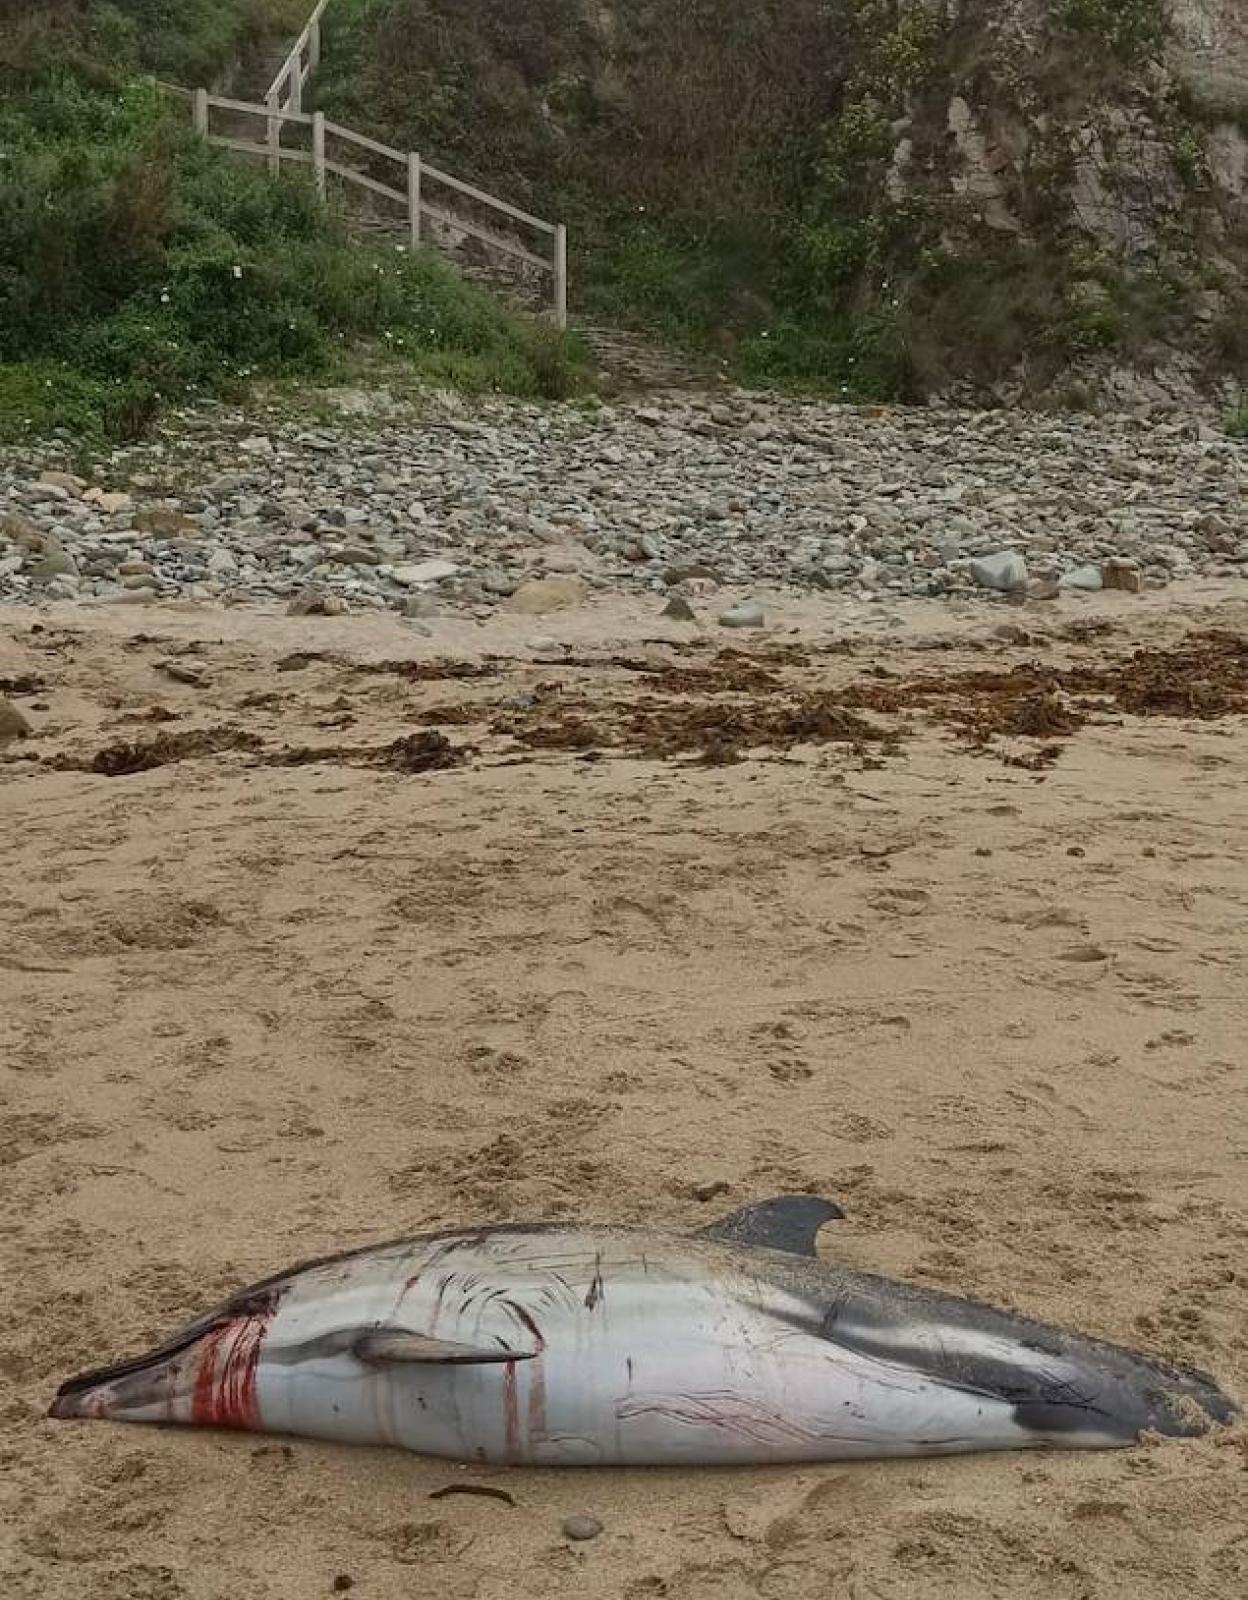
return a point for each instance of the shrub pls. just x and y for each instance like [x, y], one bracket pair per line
[138, 264]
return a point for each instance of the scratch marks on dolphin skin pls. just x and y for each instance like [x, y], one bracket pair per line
[720, 1408]
[535, 1373]
[597, 1289]
[439, 1299]
[511, 1412]
[525, 1318]
[225, 1380]
[761, 1425]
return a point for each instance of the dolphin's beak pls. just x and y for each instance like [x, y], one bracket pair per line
[148, 1394]
[207, 1375]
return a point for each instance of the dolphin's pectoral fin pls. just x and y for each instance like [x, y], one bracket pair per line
[790, 1222]
[378, 1345]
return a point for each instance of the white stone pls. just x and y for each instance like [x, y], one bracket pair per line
[1088, 578]
[420, 572]
[745, 614]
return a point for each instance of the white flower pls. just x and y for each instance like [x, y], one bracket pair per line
[238, 271]
[164, 299]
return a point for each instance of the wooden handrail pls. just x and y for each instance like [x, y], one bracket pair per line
[365, 182]
[275, 115]
[489, 200]
[309, 39]
[362, 139]
[251, 108]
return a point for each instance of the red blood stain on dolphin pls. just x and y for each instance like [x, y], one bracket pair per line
[225, 1383]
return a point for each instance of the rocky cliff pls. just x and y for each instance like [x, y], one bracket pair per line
[873, 196]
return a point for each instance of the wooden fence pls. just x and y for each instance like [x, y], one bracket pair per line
[282, 110]
[285, 93]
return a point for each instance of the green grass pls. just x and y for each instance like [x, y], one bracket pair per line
[139, 266]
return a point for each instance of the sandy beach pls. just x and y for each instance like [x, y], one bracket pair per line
[319, 930]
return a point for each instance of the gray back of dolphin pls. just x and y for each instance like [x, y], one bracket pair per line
[552, 1344]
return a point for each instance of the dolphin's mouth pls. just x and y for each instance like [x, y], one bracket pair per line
[80, 1395]
[205, 1373]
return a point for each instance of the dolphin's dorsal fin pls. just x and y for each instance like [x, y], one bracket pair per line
[382, 1344]
[789, 1222]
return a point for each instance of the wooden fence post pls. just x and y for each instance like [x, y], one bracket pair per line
[295, 81]
[413, 200]
[201, 113]
[314, 45]
[318, 151]
[561, 276]
[275, 135]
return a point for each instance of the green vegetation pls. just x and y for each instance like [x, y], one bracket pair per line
[102, 42]
[138, 265]
[1237, 420]
[775, 181]
[1129, 30]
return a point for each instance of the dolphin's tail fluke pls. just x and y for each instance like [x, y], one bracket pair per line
[1062, 1388]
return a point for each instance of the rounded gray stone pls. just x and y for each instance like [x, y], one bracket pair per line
[744, 614]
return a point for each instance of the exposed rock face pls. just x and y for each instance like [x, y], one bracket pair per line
[1008, 194]
[1210, 51]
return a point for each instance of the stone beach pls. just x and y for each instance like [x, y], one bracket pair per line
[504, 504]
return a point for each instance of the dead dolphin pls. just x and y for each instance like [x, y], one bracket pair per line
[574, 1346]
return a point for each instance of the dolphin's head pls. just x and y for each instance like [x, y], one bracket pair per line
[206, 1374]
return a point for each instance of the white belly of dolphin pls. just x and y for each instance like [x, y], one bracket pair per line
[675, 1375]
[630, 1359]
[564, 1346]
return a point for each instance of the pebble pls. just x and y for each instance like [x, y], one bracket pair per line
[540, 595]
[1006, 571]
[693, 571]
[13, 724]
[316, 603]
[109, 501]
[356, 555]
[1088, 578]
[746, 492]
[744, 614]
[581, 1527]
[424, 572]
[1124, 575]
[66, 482]
[182, 673]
